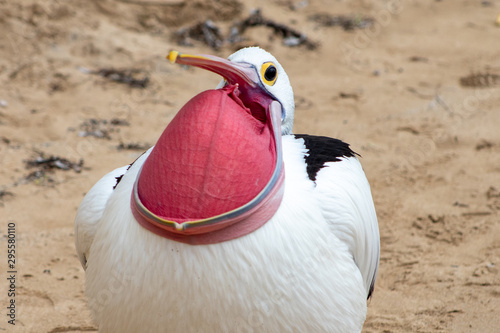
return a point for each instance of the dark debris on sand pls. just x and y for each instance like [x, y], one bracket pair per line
[480, 80]
[134, 78]
[209, 33]
[348, 23]
[133, 146]
[54, 162]
[4, 194]
[101, 128]
[44, 165]
[206, 32]
[291, 37]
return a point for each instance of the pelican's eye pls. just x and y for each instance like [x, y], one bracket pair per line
[269, 73]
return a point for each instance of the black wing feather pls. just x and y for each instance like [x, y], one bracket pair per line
[322, 149]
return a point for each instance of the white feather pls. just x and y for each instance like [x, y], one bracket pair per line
[291, 275]
[347, 204]
[90, 212]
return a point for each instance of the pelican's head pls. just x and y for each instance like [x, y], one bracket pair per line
[259, 76]
[217, 173]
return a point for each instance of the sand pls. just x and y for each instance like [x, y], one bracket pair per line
[416, 93]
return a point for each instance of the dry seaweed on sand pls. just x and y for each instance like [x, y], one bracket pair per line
[128, 76]
[480, 80]
[44, 165]
[5, 193]
[65, 329]
[134, 78]
[209, 33]
[101, 128]
[348, 23]
[291, 37]
[206, 32]
[133, 146]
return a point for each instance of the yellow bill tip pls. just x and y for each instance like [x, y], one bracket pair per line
[172, 56]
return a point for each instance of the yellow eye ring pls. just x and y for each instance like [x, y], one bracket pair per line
[269, 73]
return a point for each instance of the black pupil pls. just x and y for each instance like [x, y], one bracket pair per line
[270, 73]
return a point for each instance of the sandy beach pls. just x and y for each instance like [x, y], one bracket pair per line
[413, 86]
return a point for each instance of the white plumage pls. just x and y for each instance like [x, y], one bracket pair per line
[308, 269]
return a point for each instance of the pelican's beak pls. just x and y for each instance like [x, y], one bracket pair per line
[234, 73]
[243, 75]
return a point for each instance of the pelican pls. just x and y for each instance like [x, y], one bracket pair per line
[231, 223]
